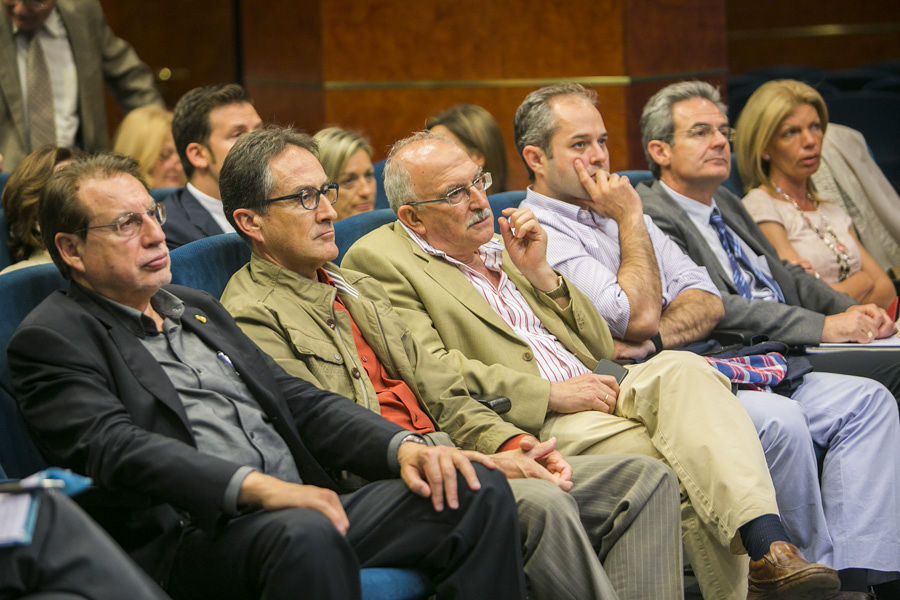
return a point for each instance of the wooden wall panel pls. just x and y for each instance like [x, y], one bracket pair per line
[675, 36]
[395, 40]
[795, 33]
[388, 115]
[194, 39]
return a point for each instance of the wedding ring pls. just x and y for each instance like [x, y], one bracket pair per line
[606, 398]
[869, 333]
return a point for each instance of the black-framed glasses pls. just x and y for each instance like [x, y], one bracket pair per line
[129, 225]
[706, 133]
[309, 197]
[457, 196]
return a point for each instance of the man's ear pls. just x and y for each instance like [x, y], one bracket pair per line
[198, 155]
[248, 222]
[69, 246]
[534, 158]
[409, 216]
[660, 152]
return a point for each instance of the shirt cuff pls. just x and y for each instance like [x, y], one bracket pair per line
[394, 447]
[512, 443]
[230, 501]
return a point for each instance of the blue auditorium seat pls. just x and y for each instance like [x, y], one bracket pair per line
[20, 292]
[637, 176]
[503, 200]
[160, 193]
[733, 183]
[208, 263]
[381, 200]
[347, 231]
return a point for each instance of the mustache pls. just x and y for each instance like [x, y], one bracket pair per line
[478, 217]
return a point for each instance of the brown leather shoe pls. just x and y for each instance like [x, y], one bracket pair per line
[783, 573]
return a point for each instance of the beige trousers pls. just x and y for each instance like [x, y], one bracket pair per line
[678, 408]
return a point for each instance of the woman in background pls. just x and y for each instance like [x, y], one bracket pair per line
[476, 130]
[145, 135]
[20, 204]
[346, 157]
[778, 148]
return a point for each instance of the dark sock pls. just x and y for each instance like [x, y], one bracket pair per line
[853, 580]
[888, 591]
[758, 534]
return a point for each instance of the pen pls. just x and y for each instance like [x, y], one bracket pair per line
[17, 487]
[224, 358]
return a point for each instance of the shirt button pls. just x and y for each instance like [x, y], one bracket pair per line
[527, 356]
[330, 322]
[355, 373]
[364, 359]
[337, 356]
[252, 436]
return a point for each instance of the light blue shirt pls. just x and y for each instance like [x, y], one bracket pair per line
[584, 247]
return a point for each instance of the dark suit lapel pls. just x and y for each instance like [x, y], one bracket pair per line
[9, 79]
[143, 366]
[199, 216]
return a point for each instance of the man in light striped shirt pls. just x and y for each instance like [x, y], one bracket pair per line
[514, 327]
[654, 296]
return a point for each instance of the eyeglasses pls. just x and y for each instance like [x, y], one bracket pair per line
[309, 197]
[706, 133]
[457, 196]
[129, 225]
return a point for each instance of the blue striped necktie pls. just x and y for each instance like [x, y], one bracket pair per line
[740, 261]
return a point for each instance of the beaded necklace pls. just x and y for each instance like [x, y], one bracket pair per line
[828, 236]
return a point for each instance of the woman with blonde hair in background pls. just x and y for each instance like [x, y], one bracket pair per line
[476, 130]
[778, 147]
[346, 157]
[20, 203]
[145, 135]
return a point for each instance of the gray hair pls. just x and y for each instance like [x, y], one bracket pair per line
[656, 119]
[398, 185]
[245, 180]
[534, 123]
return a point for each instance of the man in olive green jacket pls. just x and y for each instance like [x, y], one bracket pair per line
[336, 329]
[496, 312]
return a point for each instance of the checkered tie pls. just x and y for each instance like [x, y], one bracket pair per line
[41, 119]
[740, 261]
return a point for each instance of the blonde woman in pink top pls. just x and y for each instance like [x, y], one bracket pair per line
[778, 148]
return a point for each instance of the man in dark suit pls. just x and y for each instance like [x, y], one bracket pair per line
[80, 53]
[207, 122]
[685, 137]
[211, 463]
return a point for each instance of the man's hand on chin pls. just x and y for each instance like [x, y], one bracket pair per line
[431, 471]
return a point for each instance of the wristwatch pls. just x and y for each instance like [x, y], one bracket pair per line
[559, 291]
[414, 438]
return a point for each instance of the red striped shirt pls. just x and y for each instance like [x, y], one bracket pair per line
[555, 362]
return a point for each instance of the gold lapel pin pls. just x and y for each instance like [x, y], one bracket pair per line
[200, 318]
